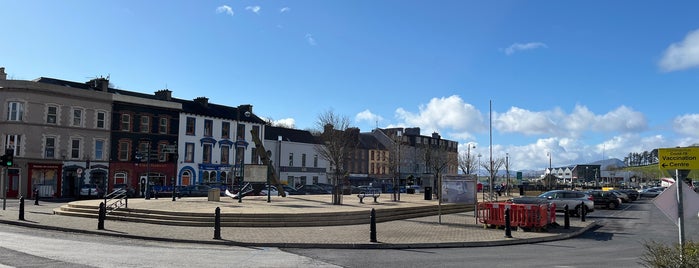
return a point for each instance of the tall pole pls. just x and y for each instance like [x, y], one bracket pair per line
[491, 149]
[148, 171]
[507, 171]
[550, 171]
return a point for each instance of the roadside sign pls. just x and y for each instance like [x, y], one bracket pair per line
[678, 158]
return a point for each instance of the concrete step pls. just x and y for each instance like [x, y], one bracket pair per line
[202, 219]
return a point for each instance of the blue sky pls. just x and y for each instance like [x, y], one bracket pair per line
[584, 80]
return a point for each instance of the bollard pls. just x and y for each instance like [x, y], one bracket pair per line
[101, 216]
[36, 197]
[372, 226]
[583, 211]
[217, 223]
[21, 208]
[126, 201]
[566, 224]
[508, 227]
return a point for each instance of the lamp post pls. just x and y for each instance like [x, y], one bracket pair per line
[507, 171]
[240, 159]
[550, 170]
[468, 158]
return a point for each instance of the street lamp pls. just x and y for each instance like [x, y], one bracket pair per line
[507, 171]
[240, 160]
[468, 158]
[550, 170]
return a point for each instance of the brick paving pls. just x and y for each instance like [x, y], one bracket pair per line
[455, 230]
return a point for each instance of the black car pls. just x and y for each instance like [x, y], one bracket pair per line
[130, 192]
[195, 190]
[633, 194]
[313, 189]
[605, 199]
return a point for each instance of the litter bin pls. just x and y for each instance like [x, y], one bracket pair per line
[214, 194]
[428, 193]
[410, 190]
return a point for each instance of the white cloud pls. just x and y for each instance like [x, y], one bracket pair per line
[284, 10]
[254, 9]
[286, 122]
[445, 113]
[687, 124]
[524, 121]
[521, 47]
[368, 116]
[224, 9]
[683, 55]
[311, 41]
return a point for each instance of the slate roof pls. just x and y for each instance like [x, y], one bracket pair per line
[288, 134]
[368, 141]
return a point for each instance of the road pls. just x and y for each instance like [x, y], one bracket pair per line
[618, 242]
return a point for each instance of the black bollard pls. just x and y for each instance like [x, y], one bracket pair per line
[36, 197]
[583, 211]
[126, 202]
[217, 223]
[101, 216]
[508, 227]
[372, 226]
[566, 224]
[21, 208]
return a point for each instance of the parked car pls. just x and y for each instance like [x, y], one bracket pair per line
[313, 189]
[608, 199]
[633, 194]
[623, 196]
[195, 190]
[293, 191]
[130, 192]
[273, 191]
[90, 191]
[651, 192]
[573, 199]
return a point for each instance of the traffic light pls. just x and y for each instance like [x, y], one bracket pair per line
[8, 158]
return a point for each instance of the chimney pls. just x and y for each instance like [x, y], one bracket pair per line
[204, 101]
[100, 84]
[164, 94]
[435, 135]
[3, 75]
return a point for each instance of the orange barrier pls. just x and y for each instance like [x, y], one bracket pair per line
[528, 216]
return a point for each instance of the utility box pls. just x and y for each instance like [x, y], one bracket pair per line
[214, 194]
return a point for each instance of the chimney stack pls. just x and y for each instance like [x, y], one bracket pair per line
[164, 94]
[203, 101]
[3, 75]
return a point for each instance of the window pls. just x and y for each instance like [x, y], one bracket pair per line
[162, 127]
[123, 153]
[315, 160]
[99, 149]
[14, 141]
[189, 152]
[101, 119]
[191, 124]
[303, 160]
[225, 154]
[145, 124]
[257, 130]
[14, 111]
[125, 122]
[51, 115]
[208, 125]
[49, 147]
[77, 117]
[75, 148]
[240, 132]
[162, 157]
[120, 178]
[291, 159]
[226, 130]
[206, 153]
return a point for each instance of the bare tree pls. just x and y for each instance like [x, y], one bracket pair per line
[467, 162]
[337, 147]
[497, 164]
[437, 159]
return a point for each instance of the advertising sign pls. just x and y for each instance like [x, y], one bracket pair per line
[459, 189]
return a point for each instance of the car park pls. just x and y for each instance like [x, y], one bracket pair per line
[561, 198]
[607, 199]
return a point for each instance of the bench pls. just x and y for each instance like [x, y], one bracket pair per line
[374, 194]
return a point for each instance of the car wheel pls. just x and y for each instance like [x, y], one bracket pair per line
[578, 211]
[612, 205]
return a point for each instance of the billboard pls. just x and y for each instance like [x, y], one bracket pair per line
[459, 189]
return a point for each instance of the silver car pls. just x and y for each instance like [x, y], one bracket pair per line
[571, 198]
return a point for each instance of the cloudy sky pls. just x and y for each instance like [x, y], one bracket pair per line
[581, 80]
